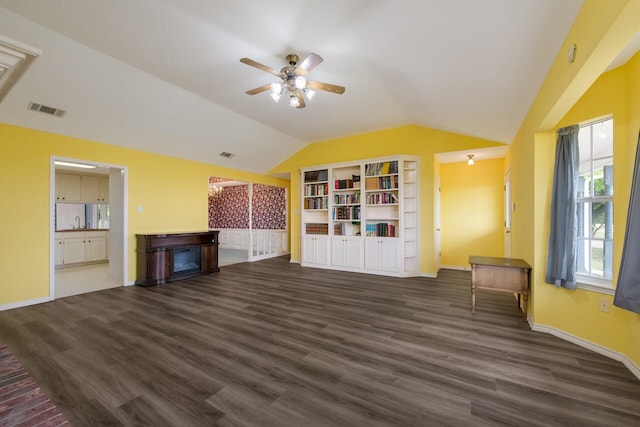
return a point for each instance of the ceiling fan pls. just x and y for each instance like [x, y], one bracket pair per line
[293, 84]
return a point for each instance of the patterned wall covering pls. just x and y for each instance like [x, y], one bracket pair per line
[231, 209]
[268, 208]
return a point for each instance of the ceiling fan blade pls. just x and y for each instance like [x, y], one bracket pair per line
[327, 87]
[301, 103]
[259, 89]
[260, 66]
[309, 63]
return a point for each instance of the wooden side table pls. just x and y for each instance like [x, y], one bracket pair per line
[499, 274]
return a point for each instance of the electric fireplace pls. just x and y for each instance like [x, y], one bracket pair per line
[186, 261]
[163, 258]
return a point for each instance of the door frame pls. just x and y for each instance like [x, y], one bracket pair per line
[52, 225]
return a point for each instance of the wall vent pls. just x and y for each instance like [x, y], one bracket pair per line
[227, 155]
[47, 110]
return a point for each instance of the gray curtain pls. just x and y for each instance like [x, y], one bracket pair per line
[628, 289]
[561, 257]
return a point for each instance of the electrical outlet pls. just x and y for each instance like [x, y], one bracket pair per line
[605, 305]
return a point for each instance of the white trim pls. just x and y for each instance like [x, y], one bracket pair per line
[429, 275]
[129, 282]
[52, 207]
[620, 357]
[24, 303]
[596, 288]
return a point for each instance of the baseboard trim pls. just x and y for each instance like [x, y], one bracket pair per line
[455, 267]
[24, 303]
[620, 357]
[429, 275]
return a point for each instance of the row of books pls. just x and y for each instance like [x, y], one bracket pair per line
[346, 212]
[382, 198]
[315, 176]
[354, 182]
[316, 203]
[382, 168]
[382, 182]
[317, 228]
[346, 199]
[381, 229]
[316, 189]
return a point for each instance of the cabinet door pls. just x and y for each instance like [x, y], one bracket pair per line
[104, 189]
[315, 250]
[96, 249]
[91, 189]
[209, 255]
[372, 250]
[339, 251]
[353, 252]
[159, 265]
[346, 252]
[59, 251]
[68, 187]
[74, 250]
[389, 255]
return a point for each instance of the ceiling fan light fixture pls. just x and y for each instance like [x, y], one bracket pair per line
[309, 93]
[301, 82]
[293, 100]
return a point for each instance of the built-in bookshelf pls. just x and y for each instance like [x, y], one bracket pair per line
[315, 201]
[362, 216]
[382, 199]
[346, 201]
[410, 215]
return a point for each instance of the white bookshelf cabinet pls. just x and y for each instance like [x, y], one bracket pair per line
[362, 216]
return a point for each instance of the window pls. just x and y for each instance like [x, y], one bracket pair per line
[595, 202]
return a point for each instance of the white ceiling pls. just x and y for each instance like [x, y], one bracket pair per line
[165, 76]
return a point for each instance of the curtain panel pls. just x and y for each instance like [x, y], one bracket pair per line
[561, 255]
[628, 290]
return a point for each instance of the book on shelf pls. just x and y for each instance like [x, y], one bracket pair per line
[381, 168]
[316, 228]
[380, 229]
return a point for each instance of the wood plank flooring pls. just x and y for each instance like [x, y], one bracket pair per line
[271, 343]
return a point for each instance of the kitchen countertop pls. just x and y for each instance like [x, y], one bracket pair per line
[81, 229]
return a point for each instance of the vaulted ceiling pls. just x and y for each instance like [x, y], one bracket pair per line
[165, 76]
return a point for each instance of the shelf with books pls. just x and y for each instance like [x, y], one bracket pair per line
[365, 210]
[346, 207]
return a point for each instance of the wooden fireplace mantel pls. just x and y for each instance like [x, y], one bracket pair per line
[155, 255]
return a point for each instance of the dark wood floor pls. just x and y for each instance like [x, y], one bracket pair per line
[273, 344]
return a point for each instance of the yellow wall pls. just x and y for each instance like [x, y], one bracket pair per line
[472, 207]
[569, 95]
[409, 140]
[173, 193]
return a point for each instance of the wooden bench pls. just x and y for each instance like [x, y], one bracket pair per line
[499, 274]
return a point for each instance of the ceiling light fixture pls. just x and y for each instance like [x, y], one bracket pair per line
[215, 191]
[294, 84]
[470, 162]
[74, 165]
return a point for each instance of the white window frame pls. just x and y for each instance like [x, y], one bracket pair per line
[588, 281]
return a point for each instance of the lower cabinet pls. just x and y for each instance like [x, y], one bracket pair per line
[382, 254]
[315, 250]
[346, 252]
[76, 247]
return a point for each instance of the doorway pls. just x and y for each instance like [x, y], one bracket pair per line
[88, 227]
[251, 219]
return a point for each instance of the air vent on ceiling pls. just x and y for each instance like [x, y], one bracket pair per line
[47, 110]
[227, 155]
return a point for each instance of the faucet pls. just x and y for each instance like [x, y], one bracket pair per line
[77, 219]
